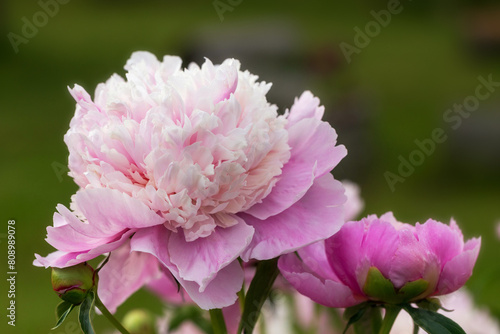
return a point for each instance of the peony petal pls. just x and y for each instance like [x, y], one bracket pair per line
[320, 289]
[125, 273]
[166, 287]
[458, 270]
[317, 216]
[306, 106]
[443, 240]
[110, 211]
[65, 238]
[357, 247]
[314, 257]
[201, 259]
[220, 292]
[304, 166]
[60, 259]
[409, 261]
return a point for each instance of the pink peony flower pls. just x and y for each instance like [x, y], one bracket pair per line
[383, 260]
[184, 171]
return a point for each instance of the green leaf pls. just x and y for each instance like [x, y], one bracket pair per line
[62, 310]
[259, 290]
[85, 314]
[218, 323]
[432, 322]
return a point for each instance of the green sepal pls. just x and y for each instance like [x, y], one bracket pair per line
[377, 287]
[62, 311]
[85, 314]
[433, 322]
[258, 292]
[413, 289]
[430, 304]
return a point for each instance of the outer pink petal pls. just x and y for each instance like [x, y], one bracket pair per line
[318, 215]
[65, 238]
[320, 289]
[125, 273]
[313, 153]
[109, 211]
[360, 245]
[344, 252]
[232, 317]
[167, 289]
[200, 260]
[220, 292]
[306, 106]
[458, 270]
[443, 240]
[314, 257]
[60, 259]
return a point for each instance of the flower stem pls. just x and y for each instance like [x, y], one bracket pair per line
[391, 313]
[108, 315]
[218, 323]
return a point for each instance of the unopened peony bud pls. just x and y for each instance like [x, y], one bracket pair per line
[139, 322]
[73, 283]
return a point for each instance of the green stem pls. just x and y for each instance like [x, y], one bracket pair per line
[391, 313]
[241, 297]
[108, 315]
[218, 323]
[257, 293]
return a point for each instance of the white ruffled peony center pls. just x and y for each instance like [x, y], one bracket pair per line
[196, 145]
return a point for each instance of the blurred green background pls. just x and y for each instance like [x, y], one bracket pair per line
[394, 90]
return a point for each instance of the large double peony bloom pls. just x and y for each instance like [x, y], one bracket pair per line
[181, 172]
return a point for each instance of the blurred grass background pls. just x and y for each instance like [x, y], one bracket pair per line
[393, 92]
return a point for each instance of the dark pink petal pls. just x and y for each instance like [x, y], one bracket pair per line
[444, 241]
[125, 273]
[60, 259]
[314, 257]
[200, 260]
[410, 260]
[458, 270]
[320, 289]
[318, 215]
[313, 153]
[344, 252]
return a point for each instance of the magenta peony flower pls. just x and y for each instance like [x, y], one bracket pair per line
[381, 259]
[184, 171]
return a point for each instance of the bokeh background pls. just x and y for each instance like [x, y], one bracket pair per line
[392, 91]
